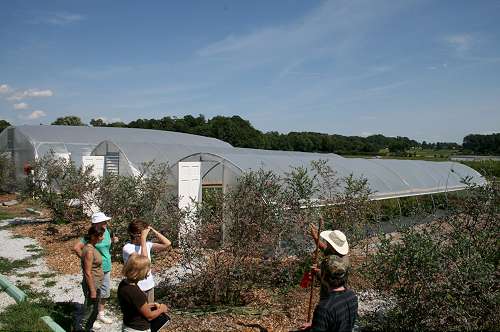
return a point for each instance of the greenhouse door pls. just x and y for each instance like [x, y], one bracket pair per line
[97, 163]
[189, 192]
[189, 184]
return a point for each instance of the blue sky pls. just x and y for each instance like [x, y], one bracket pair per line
[429, 70]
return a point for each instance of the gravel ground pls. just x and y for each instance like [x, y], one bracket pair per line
[66, 288]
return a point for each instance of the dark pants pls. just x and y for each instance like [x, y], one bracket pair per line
[90, 308]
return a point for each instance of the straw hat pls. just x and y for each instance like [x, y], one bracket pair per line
[337, 240]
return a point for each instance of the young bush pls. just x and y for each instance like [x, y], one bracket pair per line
[256, 235]
[7, 182]
[61, 187]
[237, 242]
[444, 276]
[346, 203]
[146, 196]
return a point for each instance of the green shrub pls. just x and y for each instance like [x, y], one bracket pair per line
[444, 276]
[7, 178]
[147, 196]
[488, 168]
[62, 188]
[256, 234]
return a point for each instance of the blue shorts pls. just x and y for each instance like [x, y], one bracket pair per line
[106, 285]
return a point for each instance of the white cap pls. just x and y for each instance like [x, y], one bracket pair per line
[99, 217]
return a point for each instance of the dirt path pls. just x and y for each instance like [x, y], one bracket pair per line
[60, 287]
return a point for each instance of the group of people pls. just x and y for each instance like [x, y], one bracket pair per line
[135, 291]
[336, 310]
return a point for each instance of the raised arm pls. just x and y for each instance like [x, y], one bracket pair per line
[315, 236]
[144, 237]
[164, 242]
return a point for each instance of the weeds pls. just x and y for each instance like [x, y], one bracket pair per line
[7, 266]
[444, 275]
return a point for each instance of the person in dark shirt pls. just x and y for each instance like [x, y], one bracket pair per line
[338, 311]
[332, 243]
[136, 310]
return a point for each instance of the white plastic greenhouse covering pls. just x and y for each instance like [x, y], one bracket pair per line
[25, 143]
[220, 165]
[133, 154]
[387, 178]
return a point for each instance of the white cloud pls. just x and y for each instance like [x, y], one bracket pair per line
[21, 106]
[338, 22]
[4, 88]
[460, 42]
[58, 18]
[31, 93]
[36, 114]
[365, 134]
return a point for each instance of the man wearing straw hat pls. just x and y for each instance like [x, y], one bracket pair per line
[336, 245]
[338, 310]
[338, 306]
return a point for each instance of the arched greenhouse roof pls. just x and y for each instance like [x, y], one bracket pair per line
[137, 153]
[387, 178]
[95, 135]
[80, 140]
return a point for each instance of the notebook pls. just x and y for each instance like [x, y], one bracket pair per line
[159, 322]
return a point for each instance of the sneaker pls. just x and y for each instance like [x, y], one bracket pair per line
[104, 319]
[96, 326]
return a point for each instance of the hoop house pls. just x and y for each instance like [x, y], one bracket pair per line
[26, 143]
[386, 178]
[221, 166]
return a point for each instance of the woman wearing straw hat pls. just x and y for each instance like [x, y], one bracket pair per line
[100, 221]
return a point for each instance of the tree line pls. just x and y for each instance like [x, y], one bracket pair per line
[241, 133]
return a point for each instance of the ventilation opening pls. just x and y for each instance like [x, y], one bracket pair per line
[112, 163]
[10, 139]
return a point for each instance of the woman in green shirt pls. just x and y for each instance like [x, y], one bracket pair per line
[99, 221]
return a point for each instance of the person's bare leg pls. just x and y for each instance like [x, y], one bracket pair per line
[101, 317]
[102, 302]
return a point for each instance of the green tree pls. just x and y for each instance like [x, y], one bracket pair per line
[3, 124]
[483, 144]
[70, 120]
[98, 123]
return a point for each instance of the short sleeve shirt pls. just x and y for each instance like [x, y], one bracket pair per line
[336, 313]
[103, 247]
[129, 249]
[131, 299]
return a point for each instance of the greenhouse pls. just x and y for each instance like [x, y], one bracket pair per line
[387, 178]
[197, 161]
[27, 143]
[221, 166]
